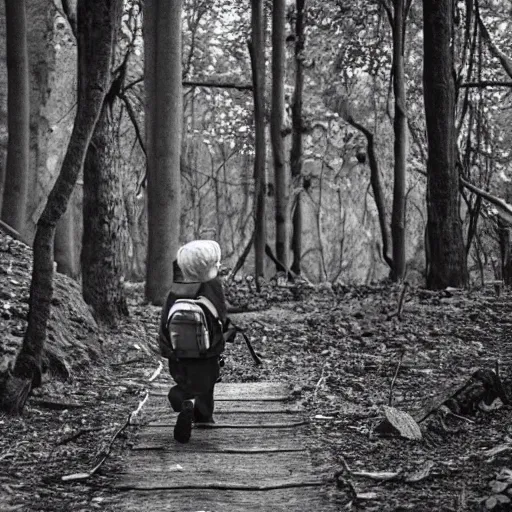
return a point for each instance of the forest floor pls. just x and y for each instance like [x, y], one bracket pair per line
[344, 355]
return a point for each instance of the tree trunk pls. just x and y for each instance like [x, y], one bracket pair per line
[257, 50]
[15, 187]
[296, 149]
[447, 255]
[97, 22]
[276, 127]
[377, 189]
[64, 245]
[102, 285]
[400, 144]
[162, 39]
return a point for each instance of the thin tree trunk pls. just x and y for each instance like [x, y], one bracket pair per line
[448, 262]
[257, 50]
[296, 149]
[276, 127]
[97, 22]
[162, 31]
[14, 188]
[400, 144]
[378, 192]
[102, 285]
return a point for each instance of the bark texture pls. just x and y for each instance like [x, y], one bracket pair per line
[447, 256]
[297, 149]
[276, 127]
[65, 249]
[162, 39]
[14, 191]
[102, 286]
[257, 50]
[97, 21]
[400, 144]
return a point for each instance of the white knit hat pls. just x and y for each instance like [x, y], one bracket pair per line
[199, 260]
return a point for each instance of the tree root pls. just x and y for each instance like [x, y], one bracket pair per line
[14, 392]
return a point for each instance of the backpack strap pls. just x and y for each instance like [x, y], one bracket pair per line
[208, 304]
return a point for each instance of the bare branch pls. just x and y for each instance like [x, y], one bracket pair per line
[505, 61]
[222, 85]
[486, 83]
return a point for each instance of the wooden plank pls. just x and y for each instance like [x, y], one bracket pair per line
[160, 405]
[192, 462]
[263, 391]
[300, 499]
[237, 482]
[161, 438]
[172, 470]
[276, 418]
[233, 398]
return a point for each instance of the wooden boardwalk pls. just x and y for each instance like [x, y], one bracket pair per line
[254, 458]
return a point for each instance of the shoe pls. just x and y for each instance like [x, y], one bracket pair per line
[183, 427]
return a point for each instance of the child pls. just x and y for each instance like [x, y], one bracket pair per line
[195, 374]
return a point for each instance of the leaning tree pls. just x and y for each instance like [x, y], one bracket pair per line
[97, 23]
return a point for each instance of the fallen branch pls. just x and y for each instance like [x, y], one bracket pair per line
[79, 477]
[55, 406]
[12, 232]
[483, 385]
[76, 435]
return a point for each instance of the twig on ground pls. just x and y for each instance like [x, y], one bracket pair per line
[76, 435]
[77, 477]
[157, 372]
[320, 381]
[401, 301]
[55, 406]
[393, 380]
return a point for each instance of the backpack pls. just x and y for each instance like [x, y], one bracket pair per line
[187, 325]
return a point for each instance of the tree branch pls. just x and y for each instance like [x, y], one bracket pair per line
[505, 61]
[222, 85]
[486, 83]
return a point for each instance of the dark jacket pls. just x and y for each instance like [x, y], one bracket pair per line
[213, 291]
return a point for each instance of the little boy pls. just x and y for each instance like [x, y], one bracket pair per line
[196, 278]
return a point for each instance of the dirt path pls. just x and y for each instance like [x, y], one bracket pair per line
[254, 458]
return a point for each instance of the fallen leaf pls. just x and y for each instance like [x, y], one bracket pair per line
[491, 502]
[399, 422]
[421, 473]
[505, 474]
[498, 487]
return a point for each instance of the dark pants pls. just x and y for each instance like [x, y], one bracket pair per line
[195, 378]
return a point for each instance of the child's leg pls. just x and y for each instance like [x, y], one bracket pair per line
[195, 378]
[178, 393]
[204, 405]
